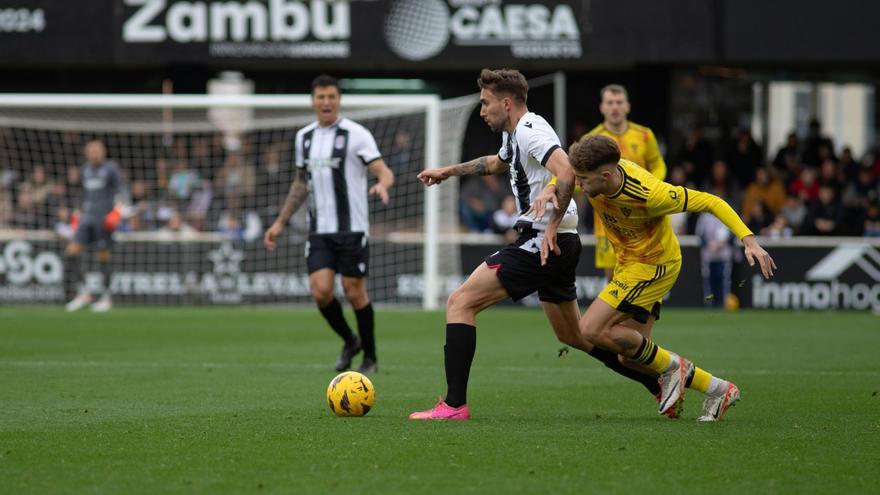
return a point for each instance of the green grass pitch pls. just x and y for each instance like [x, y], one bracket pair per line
[232, 400]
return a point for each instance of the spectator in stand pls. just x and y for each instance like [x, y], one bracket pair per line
[872, 161]
[34, 197]
[176, 228]
[230, 227]
[480, 196]
[696, 156]
[816, 146]
[787, 161]
[236, 182]
[862, 190]
[505, 218]
[849, 167]
[200, 158]
[73, 187]
[856, 199]
[766, 191]
[829, 174]
[273, 181]
[778, 228]
[721, 184]
[872, 220]
[142, 213]
[826, 214]
[793, 214]
[716, 256]
[744, 156]
[7, 196]
[182, 183]
[805, 187]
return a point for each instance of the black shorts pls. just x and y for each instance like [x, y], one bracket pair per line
[520, 272]
[347, 254]
[89, 234]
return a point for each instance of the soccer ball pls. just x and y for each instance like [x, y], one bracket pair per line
[351, 394]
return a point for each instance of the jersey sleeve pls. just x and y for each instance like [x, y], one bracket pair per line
[298, 159]
[666, 199]
[505, 154]
[653, 159]
[364, 146]
[540, 140]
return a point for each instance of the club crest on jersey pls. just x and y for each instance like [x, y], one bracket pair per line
[673, 195]
[339, 143]
[626, 211]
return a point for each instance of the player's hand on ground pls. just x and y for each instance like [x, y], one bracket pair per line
[549, 244]
[271, 235]
[379, 190]
[432, 176]
[754, 251]
[539, 207]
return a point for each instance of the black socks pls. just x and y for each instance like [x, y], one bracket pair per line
[461, 342]
[365, 329]
[611, 361]
[333, 314]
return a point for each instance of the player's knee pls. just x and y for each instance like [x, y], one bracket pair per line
[591, 330]
[322, 295]
[458, 301]
[355, 293]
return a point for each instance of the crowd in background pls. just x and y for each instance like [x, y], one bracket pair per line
[809, 187]
[174, 187]
[195, 184]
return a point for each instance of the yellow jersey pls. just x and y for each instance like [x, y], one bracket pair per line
[636, 217]
[638, 145]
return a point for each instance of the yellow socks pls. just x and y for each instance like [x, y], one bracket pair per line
[653, 356]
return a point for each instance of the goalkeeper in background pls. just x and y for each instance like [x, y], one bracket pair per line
[94, 226]
[636, 143]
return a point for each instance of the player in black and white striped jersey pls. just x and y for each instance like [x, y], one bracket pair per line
[332, 157]
[544, 257]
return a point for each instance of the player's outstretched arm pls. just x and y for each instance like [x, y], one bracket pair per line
[386, 179]
[484, 165]
[700, 202]
[297, 194]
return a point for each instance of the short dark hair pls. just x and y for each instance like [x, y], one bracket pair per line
[324, 81]
[592, 152]
[508, 82]
[613, 88]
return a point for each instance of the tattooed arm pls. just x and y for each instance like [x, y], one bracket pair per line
[559, 165]
[297, 194]
[485, 165]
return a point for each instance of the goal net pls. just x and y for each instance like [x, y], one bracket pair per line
[204, 177]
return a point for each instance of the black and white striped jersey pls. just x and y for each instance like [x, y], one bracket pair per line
[335, 159]
[527, 151]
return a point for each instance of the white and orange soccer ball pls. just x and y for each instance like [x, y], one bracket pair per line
[351, 394]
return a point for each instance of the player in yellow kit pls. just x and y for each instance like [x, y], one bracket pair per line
[636, 143]
[634, 206]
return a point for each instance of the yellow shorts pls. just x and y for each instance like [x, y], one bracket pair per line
[605, 257]
[638, 289]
